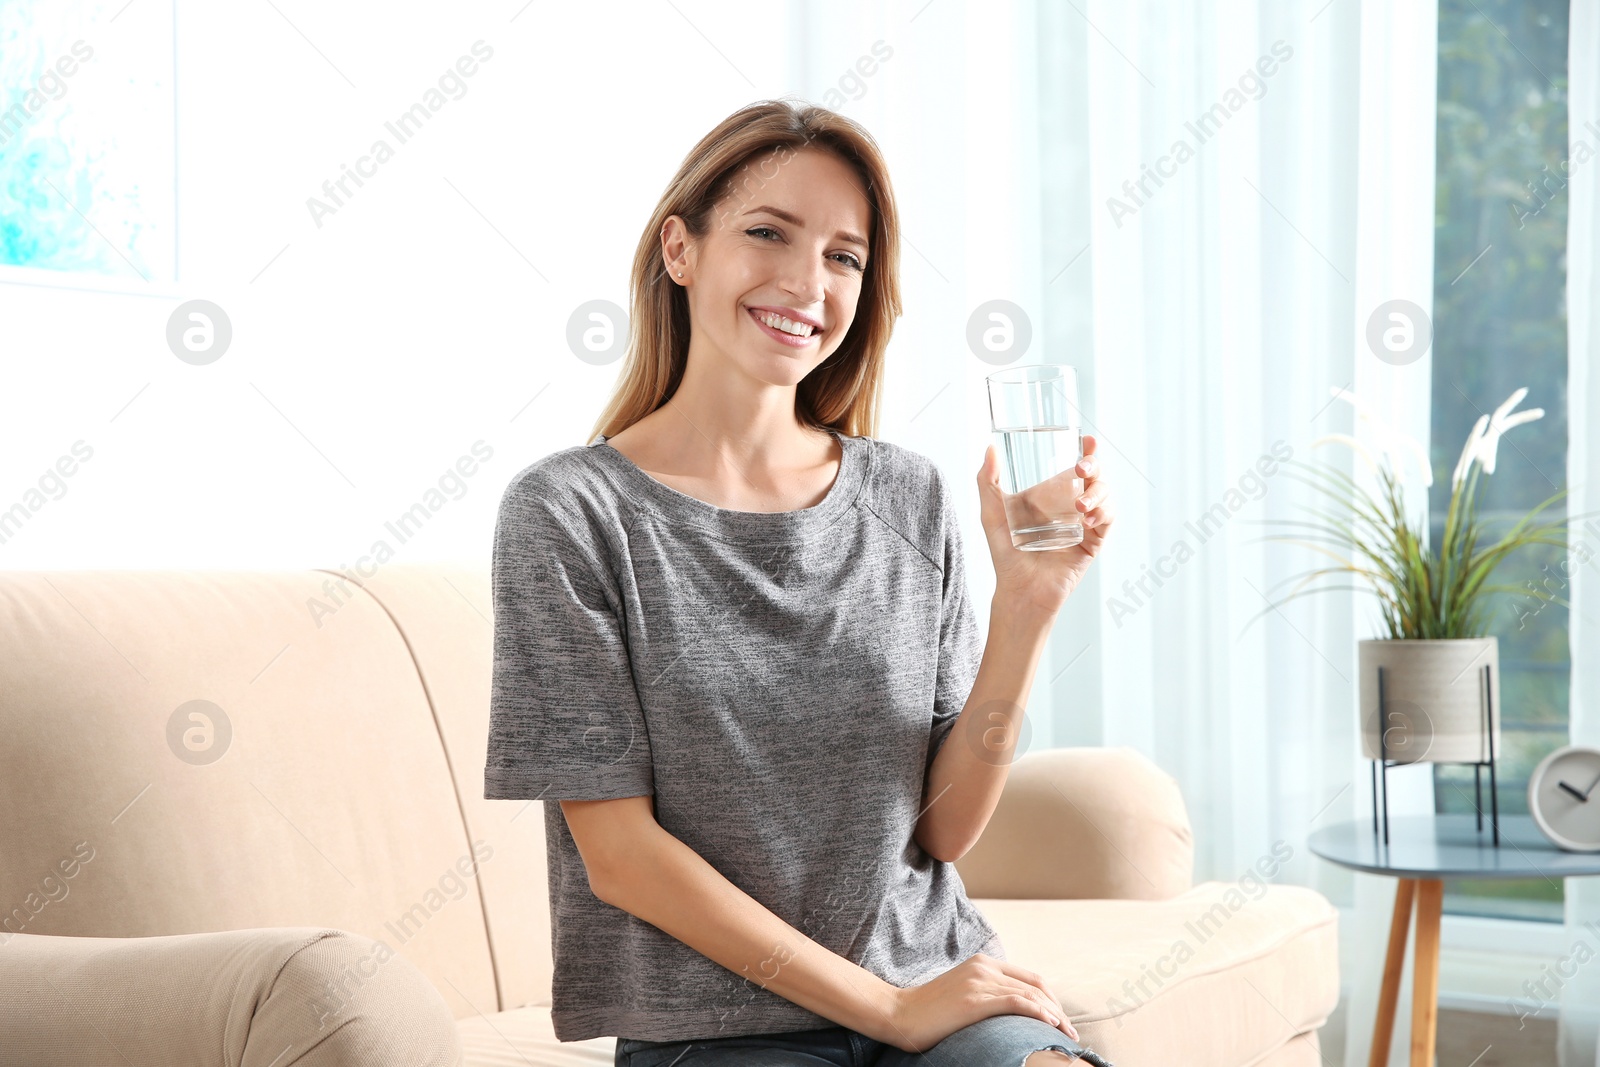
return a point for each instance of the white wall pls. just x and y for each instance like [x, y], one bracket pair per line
[378, 347]
[429, 312]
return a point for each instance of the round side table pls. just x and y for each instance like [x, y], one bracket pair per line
[1422, 850]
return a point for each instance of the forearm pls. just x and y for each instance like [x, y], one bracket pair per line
[969, 773]
[672, 887]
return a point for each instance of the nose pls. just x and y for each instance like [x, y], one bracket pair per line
[804, 276]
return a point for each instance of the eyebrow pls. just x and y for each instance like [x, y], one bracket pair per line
[790, 217]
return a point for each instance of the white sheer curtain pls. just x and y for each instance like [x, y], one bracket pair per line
[1226, 305]
[1580, 997]
[1223, 312]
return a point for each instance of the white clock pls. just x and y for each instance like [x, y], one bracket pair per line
[1564, 798]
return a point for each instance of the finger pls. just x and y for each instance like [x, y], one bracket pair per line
[1065, 1024]
[1042, 1008]
[1026, 1001]
[1023, 974]
[991, 504]
[1049, 1001]
[1089, 444]
[1088, 465]
[1100, 517]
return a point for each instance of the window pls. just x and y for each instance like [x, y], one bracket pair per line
[1499, 323]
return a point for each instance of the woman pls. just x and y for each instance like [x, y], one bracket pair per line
[732, 635]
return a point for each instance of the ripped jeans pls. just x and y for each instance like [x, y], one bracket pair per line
[998, 1041]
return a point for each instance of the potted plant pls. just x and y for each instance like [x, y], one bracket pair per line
[1434, 599]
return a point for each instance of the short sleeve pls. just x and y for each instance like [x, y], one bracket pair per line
[960, 650]
[565, 721]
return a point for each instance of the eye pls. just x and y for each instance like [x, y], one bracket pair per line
[850, 260]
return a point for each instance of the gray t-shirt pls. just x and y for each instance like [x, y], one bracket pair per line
[780, 682]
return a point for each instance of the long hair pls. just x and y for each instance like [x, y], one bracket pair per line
[843, 392]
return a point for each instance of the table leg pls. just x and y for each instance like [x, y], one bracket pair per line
[1393, 961]
[1425, 972]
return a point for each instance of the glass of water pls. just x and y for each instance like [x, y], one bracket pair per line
[1038, 438]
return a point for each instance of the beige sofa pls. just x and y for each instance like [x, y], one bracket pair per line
[243, 823]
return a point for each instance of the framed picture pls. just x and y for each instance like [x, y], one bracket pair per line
[88, 144]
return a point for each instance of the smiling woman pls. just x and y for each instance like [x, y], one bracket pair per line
[733, 644]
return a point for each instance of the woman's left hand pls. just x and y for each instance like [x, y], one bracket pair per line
[1043, 580]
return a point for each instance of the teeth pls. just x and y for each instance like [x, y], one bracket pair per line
[778, 322]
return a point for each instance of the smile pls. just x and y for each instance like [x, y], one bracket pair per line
[795, 334]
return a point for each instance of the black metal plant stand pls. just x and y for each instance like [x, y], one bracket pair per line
[1486, 702]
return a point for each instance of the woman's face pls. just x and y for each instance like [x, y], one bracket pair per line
[789, 241]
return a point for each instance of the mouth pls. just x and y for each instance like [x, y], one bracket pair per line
[786, 331]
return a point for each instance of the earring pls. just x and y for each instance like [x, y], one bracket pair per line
[680, 274]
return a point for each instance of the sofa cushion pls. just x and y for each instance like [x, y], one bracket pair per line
[1213, 977]
[525, 1037]
[1210, 978]
[1302, 1050]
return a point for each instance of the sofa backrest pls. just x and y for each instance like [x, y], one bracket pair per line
[189, 751]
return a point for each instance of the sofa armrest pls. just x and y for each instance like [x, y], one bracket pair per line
[1077, 823]
[307, 996]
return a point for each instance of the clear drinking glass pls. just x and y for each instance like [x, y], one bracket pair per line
[1038, 438]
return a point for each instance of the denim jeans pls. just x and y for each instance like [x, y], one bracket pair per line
[998, 1041]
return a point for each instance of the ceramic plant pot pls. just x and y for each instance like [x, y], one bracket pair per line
[1433, 699]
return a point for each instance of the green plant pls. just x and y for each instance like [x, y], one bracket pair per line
[1424, 592]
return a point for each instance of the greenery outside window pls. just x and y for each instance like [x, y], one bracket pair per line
[1500, 322]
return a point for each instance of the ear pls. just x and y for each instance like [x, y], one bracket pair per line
[675, 248]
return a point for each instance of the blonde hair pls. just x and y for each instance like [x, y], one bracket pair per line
[844, 391]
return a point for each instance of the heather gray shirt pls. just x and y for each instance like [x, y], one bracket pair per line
[779, 682]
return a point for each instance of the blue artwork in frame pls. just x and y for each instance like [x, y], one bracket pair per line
[88, 125]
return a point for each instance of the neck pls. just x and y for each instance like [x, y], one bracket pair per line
[728, 417]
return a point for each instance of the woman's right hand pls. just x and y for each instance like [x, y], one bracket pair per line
[1044, 580]
[971, 991]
